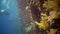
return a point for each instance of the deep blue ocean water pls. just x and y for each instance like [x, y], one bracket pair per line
[10, 22]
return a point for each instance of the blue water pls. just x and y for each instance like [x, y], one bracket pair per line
[10, 22]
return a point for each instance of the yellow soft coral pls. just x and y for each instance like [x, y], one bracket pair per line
[50, 4]
[43, 23]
